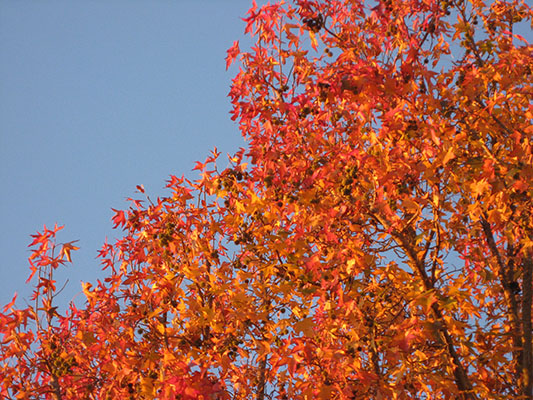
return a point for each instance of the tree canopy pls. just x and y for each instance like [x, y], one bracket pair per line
[374, 240]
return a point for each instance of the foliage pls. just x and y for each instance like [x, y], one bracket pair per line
[373, 241]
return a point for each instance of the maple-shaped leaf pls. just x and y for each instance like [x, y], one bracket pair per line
[232, 53]
[119, 218]
[67, 248]
[372, 238]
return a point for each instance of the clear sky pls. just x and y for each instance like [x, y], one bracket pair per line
[96, 97]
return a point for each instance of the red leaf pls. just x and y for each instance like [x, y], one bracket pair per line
[199, 166]
[11, 304]
[119, 218]
[233, 52]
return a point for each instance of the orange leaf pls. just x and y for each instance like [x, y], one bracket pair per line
[67, 248]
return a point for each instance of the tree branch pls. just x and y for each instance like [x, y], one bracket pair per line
[460, 375]
[261, 385]
[509, 295]
[527, 357]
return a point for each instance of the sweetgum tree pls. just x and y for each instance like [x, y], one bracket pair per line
[374, 240]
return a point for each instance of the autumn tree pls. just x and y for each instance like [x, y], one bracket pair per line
[374, 240]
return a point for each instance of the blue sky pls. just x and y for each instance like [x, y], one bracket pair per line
[97, 97]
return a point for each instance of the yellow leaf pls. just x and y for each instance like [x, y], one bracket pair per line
[448, 156]
[350, 266]
[479, 187]
[239, 207]
[420, 355]
[314, 42]
[436, 199]
[425, 299]
[147, 387]
[161, 328]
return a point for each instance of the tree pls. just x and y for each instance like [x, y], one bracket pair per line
[374, 240]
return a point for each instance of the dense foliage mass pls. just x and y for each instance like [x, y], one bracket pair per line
[374, 240]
